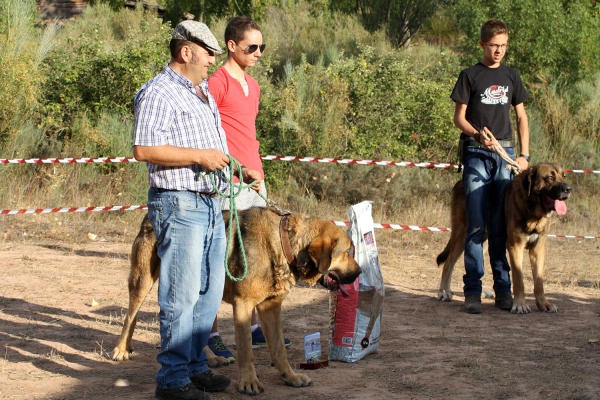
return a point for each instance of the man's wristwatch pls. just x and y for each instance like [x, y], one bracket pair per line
[476, 136]
[525, 156]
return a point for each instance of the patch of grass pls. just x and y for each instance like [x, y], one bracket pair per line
[53, 356]
[101, 353]
[474, 368]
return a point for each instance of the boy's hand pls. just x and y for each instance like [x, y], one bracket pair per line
[523, 163]
[488, 143]
[252, 175]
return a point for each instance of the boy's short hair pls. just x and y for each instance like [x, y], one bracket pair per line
[491, 28]
[237, 28]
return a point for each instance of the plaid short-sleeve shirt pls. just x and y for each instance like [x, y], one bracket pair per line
[168, 111]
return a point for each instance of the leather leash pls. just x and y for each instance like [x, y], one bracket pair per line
[285, 240]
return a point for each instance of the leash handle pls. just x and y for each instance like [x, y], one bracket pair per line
[511, 164]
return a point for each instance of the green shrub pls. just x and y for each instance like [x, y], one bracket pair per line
[297, 31]
[400, 104]
[22, 49]
[103, 59]
[565, 124]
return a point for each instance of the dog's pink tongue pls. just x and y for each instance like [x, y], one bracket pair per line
[560, 207]
[343, 290]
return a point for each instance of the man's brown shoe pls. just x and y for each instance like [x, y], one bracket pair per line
[211, 382]
[473, 304]
[504, 301]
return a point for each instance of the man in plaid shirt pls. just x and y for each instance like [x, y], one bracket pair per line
[178, 133]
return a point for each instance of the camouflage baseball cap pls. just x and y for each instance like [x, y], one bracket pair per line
[195, 31]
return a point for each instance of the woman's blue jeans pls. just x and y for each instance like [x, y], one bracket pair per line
[485, 177]
[191, 246]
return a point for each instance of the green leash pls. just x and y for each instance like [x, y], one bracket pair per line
[234, 191]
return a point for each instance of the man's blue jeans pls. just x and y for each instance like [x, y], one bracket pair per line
[191, 246]
[485, 177]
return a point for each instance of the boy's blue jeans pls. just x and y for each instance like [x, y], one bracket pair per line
[191, 246]
[485, 177]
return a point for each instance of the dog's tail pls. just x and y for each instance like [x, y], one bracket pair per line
[443, 256]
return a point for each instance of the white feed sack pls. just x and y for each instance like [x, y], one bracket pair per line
[355, 320]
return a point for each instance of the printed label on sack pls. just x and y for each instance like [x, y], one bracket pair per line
[369, 240]
[345, 316]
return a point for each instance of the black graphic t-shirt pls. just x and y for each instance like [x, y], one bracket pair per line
[489, 93]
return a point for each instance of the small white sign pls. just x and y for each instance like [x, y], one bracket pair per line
[312, 346]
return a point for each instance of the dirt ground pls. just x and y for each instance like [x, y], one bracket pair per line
[62, 304]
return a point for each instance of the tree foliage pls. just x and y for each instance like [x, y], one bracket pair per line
[547, 38]
[209, 10]
[401, 19]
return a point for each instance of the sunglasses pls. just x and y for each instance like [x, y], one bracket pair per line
[253, 47]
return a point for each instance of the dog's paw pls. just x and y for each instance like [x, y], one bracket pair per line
[250, 386]
[298, 380]
[520, 308]
[546, 306]
[217, 361]
[120, 354]
[444, 295]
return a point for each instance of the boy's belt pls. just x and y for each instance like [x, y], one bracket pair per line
[503, 143]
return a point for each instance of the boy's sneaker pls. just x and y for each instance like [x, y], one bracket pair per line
[258, 339]
[217, 346]
[210, 382]
[187, 392]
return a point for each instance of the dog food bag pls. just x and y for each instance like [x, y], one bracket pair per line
[355, 316]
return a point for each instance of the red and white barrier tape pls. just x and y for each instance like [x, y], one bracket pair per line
[389, 163]
[338, 223]
[399, 227]
[359, 162]
[69, 210]
[434, 229]
[264, 157]
[67, 160]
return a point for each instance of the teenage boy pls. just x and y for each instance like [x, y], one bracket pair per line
[178, 133]
[483, 95]
[237, 95]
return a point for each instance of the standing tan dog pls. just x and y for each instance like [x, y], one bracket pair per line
[529, 200]
[280, 249]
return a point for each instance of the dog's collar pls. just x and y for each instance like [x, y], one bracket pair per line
[285, 241]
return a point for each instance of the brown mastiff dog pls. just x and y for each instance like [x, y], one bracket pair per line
[528, 203]
[280, 249]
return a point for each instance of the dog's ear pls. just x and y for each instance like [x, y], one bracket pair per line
[531, 174]
[320, 250]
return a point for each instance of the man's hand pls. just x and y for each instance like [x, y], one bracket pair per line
[172, 156]
[213, 159]
[251, 175]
